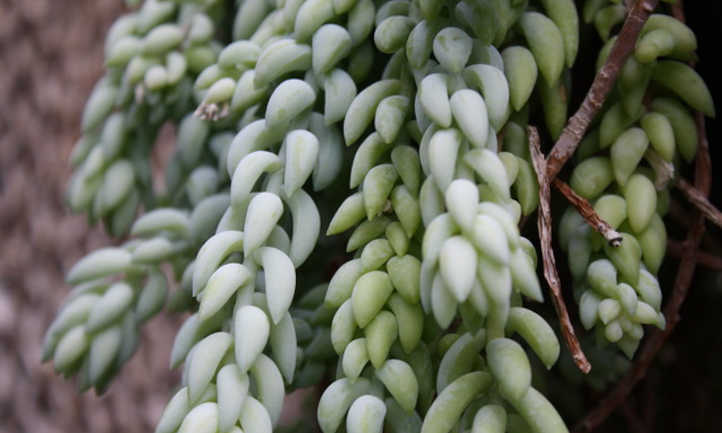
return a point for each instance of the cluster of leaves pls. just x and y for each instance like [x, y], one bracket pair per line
[421, 108]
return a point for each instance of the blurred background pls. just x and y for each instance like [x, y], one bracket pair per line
[51, 55]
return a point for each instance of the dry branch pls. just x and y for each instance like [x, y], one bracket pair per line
[586, 210]
[600, 89]
[550, 268]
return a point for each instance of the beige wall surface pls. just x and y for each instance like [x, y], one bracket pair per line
[50, 56]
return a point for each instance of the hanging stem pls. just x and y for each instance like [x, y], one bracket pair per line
[550, 269]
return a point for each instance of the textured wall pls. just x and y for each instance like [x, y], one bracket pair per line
[51, 55]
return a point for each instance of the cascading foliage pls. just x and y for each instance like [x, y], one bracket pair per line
[402, 123]
[646, 131]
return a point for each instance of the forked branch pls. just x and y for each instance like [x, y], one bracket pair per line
[550, 269]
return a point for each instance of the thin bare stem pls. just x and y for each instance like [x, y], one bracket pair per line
[586, 210]
[550, 269]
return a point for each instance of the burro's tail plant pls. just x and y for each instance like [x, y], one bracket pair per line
[404, 125]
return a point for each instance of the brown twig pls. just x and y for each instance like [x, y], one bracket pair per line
[698, 199]
[586, 210]
[601, 87]
[550, 269]
[671, 312]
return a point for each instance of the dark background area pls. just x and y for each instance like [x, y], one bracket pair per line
[679, 393]
[51, 55]
[687, 378]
